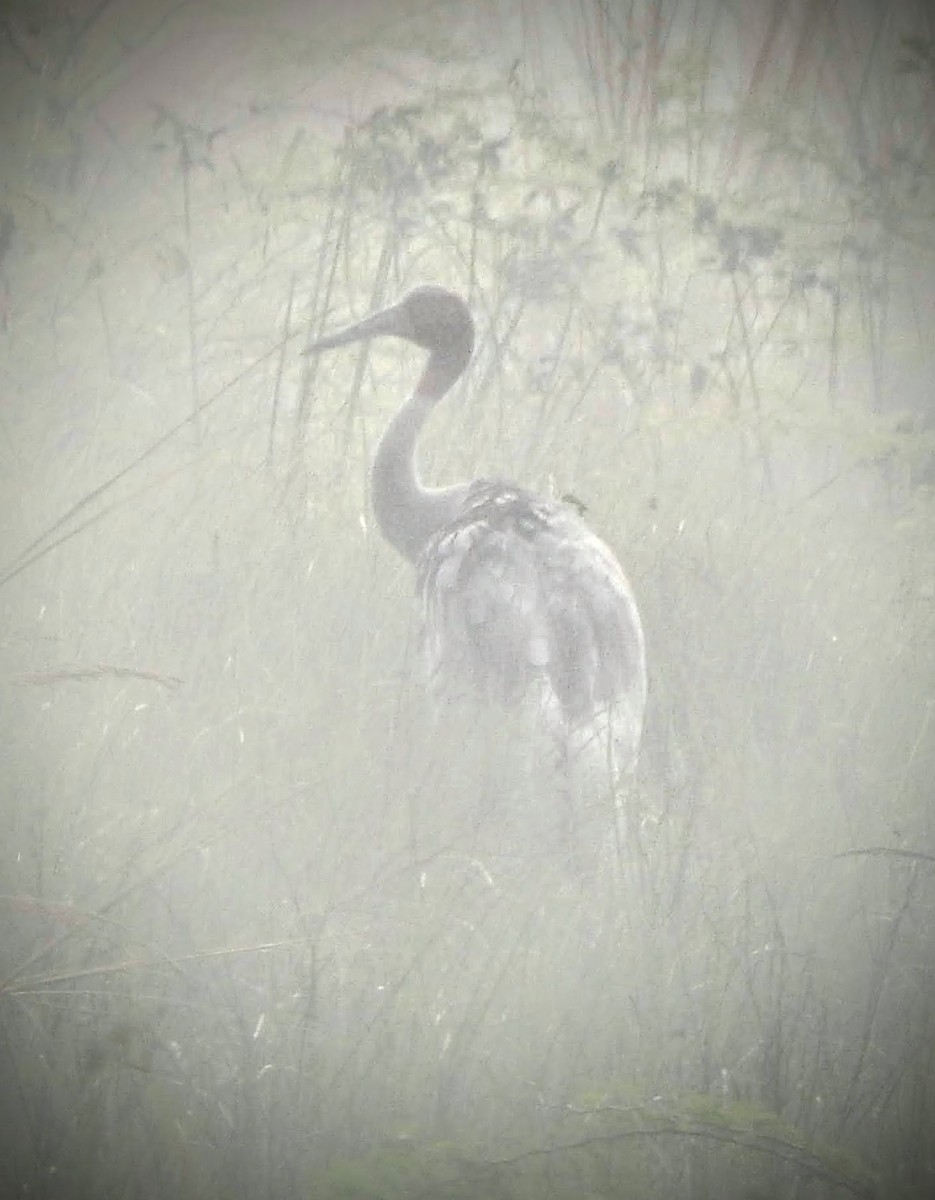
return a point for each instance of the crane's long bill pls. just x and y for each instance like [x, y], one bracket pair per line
[388, 321]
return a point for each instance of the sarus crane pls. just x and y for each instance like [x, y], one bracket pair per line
[520, 601]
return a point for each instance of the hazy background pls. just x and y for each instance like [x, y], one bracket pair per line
[268, 928]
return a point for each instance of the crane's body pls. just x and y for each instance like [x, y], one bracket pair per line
[521, 602]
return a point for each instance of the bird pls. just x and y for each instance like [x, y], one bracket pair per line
[521, 603]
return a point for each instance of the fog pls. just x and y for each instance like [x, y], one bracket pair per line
[274, 922]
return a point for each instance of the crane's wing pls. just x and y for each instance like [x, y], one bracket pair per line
[520, 600]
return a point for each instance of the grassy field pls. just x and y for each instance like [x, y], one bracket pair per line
[274, 927]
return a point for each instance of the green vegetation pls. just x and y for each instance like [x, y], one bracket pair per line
[272, 927]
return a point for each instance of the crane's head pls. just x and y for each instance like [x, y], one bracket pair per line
[431, 317]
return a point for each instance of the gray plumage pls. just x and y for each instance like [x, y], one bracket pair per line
[521, 603]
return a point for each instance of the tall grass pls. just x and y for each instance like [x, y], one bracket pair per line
[274, 928]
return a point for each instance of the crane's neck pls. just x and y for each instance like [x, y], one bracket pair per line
[407, 512]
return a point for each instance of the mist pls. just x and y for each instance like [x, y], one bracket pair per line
[276, 922]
